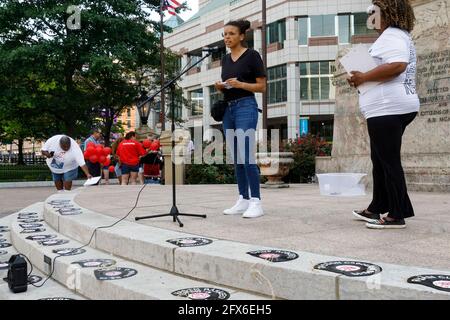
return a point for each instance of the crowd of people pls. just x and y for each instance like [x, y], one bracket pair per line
[129, 160]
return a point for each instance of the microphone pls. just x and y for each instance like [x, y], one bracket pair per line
[211, 49]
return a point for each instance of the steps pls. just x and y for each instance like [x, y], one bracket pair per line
[164, 270]
[227, 263]
[147, 283]
[50, 291]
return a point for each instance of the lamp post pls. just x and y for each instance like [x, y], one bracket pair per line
[143, 106]
[162, 116]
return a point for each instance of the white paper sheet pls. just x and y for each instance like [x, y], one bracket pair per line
[92, 181]
[226, 85]
[359, 59]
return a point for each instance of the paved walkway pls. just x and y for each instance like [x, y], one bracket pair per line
[14, 199]
[297, 218]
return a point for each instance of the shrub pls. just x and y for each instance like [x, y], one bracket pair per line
[305, 150]
[12, 173]
[210, 173]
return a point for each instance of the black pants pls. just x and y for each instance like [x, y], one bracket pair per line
[389, 185]
[95, 169]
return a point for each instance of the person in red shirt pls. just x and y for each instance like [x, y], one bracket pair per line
[129, 153]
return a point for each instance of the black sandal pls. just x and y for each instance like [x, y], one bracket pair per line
[386, 224]
[365, 215]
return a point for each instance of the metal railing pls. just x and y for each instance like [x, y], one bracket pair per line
[33, 169]
[28, 158]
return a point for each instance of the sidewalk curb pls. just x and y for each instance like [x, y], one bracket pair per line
[33, 184]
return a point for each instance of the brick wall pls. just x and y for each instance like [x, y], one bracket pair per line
[323, 41]
[364, 38]
[274, 47]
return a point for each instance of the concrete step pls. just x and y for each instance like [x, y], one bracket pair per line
[228, 263]
[139, 282]
[52, 290]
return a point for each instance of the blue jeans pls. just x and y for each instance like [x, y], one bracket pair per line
[118, 170]
[239, 125]
[66, 176]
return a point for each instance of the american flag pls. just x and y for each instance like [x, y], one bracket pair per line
[171, 5]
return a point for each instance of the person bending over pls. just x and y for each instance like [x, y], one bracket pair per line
[64, 156]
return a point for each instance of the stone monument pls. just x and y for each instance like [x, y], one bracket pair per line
[426, 142]
[181, 141]
[144, 132]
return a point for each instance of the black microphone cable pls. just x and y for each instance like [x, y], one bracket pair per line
[90, 240]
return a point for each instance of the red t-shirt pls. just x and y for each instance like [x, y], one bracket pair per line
[129, 152]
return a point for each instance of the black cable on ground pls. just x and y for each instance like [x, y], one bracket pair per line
[92, 236]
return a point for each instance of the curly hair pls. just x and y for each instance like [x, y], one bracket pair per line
[242, 25]
[397, 13]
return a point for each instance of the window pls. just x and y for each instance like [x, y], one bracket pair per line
[315, 80]
[303, 31]
[178, 63]
[250, 43]
[214, 95]
[314, 88]
[322, 128]
[196, 97]
[193, 59]
[218, 55]
[128, 124]
[344, 28]
[128, 113]
[360, 24]
[178, 106]
[348, 24]
[322, 25]
[304, 91]
[276, 32]
[314, 67]
[277, 84]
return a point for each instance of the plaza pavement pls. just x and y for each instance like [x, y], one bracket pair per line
[15, 199]
[318, 228]
[297, 218]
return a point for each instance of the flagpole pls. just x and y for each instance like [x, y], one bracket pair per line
[162, 117]
[264, 57]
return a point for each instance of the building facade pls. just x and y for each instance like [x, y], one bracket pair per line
[303, 39]
[129, 119]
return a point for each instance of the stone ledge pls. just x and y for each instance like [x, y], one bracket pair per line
[51, 289]
[35, 184]
[226, 263]
[148, 284]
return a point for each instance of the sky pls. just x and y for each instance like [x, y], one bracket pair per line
[193, 4]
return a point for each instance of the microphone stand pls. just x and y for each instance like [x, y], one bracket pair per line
[174, 212]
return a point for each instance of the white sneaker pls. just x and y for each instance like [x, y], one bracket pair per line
[254, 209]
[240, 206]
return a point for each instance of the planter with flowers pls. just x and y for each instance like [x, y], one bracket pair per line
[275, 166]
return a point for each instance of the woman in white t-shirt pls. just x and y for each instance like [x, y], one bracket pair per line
[389, 108]
[64, 156]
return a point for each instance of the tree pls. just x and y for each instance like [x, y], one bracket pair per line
[84, 73]
[20, 91]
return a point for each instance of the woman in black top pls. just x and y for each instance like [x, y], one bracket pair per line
[243, 74]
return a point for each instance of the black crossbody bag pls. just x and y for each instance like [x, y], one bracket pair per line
[218, 110]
